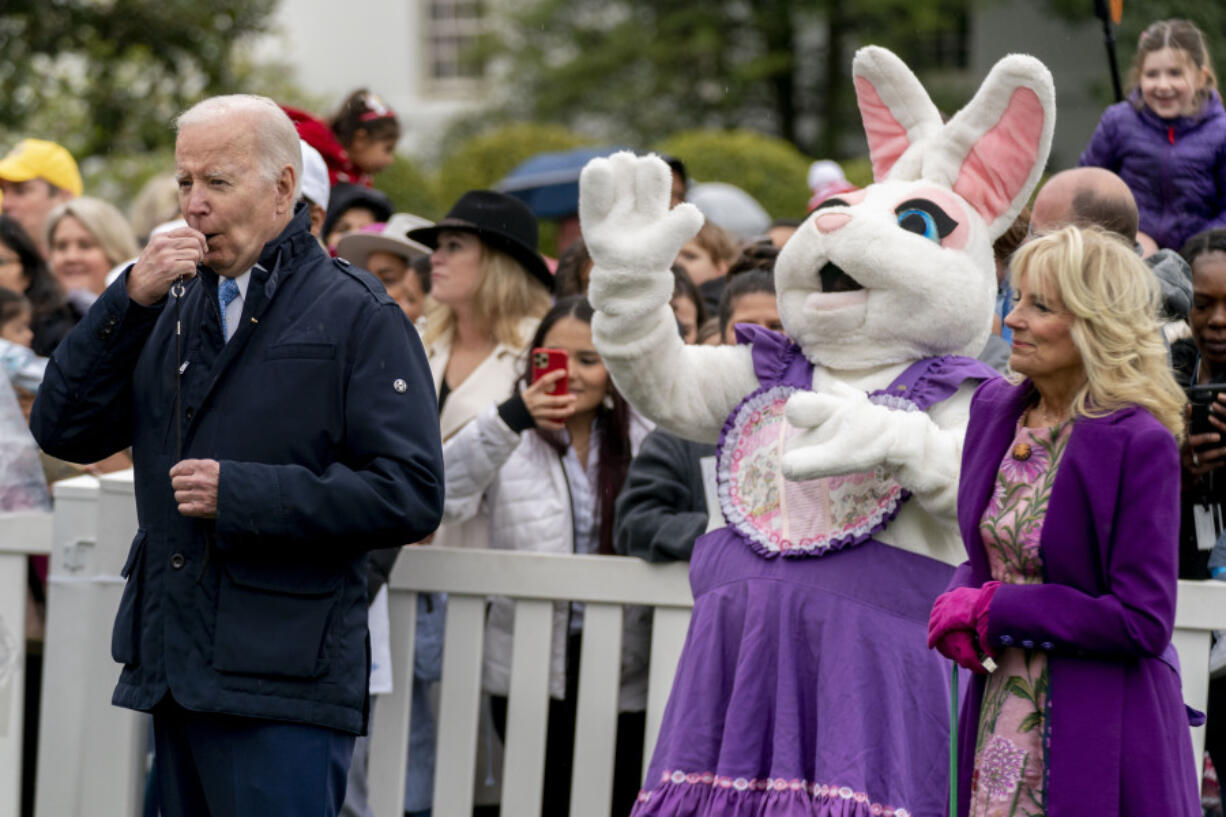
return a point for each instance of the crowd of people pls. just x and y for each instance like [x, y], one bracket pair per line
[411, 409]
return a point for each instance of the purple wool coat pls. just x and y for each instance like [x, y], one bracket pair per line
[1118, 728]
[1176, 168]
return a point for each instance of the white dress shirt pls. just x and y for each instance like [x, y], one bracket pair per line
[234, 312]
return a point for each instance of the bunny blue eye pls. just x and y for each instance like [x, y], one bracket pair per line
[920, 223]
[926, 218]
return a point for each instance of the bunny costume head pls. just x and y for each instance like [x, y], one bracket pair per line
[903, 269]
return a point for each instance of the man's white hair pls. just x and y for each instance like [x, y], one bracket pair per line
[276, 139]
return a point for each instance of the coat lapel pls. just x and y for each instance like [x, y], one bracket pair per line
[489, 384]
[1074, 546]
[280, 257]
[259, 295]
[993, 426]
[1082, 507]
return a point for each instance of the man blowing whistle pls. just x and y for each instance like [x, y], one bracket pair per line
[288, 429]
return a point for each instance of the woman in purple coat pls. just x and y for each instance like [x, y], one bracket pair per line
[1069, 508]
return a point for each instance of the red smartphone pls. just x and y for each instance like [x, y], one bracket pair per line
[549, 360]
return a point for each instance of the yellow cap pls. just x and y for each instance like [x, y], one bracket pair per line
[39, 159]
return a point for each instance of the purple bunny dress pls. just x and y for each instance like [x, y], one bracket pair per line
[805, 686]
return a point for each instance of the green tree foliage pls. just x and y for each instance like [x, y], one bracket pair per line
[770, 169]
[118, 70]
[411, 189]
[482, 160]
[105, 78]
[636, 70]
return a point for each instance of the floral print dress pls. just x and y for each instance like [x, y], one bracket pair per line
[1011, 748]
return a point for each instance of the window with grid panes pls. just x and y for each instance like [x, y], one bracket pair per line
[453, 27]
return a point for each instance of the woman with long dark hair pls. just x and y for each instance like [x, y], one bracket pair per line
[549, 468]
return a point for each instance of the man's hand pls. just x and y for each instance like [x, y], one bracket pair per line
[167, 257]
[195, 485]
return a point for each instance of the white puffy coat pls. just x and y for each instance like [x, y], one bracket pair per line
[517, 480]
[489, 384]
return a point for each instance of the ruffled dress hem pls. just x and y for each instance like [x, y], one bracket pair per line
[681, 793]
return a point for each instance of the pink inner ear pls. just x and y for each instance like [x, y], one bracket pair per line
[887, 138]
[997, 167]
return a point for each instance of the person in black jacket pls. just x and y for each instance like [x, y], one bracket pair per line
[289, 429]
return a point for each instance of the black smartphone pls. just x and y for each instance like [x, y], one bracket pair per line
[1201, 397]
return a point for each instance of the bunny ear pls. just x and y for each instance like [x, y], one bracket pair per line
[897, 113]
[993, 151]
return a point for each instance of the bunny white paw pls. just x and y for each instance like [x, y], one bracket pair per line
[631, 233]
[840, 432]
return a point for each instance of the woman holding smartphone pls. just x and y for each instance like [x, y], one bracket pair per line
[548, 464]
[1069, 509]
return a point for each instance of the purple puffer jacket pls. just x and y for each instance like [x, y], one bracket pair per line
[1176, 168]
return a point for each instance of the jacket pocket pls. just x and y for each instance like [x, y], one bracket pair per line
[272, 620]
[125, 635]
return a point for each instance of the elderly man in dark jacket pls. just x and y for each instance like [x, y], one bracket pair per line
[283, 423]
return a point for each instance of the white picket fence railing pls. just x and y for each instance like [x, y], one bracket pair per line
[21, 535]
[92, 755]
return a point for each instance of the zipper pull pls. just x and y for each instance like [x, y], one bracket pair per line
[1170, 134]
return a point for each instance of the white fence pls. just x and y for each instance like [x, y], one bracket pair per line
[92, 755]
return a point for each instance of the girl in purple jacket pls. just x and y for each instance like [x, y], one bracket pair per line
[1167, 141]
[1069, 509]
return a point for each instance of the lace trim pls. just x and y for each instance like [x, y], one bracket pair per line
[771, 545]
[831, 791]
[892, 401]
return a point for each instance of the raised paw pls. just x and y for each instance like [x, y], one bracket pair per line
[625, 216]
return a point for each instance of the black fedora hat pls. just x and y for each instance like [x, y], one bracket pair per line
[501, 221]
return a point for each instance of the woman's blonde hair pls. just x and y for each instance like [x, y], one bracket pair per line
[506, 295]
[1113, 298]
[104, 222]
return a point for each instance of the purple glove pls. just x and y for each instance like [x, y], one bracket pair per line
[952, 611]
[959, 646]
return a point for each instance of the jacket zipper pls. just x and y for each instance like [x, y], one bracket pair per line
[574, 537]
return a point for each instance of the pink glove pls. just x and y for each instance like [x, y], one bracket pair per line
[952, 611]
[981, 615]
[959, 646]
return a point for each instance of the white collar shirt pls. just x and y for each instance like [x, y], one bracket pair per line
[234, 311]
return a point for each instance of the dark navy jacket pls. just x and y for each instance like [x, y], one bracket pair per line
[321, 411]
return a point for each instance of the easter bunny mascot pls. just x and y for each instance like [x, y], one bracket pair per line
[805, 686]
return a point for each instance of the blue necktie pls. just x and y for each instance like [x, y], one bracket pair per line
[227, 291]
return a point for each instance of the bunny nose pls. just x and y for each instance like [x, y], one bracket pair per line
[829, 222]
